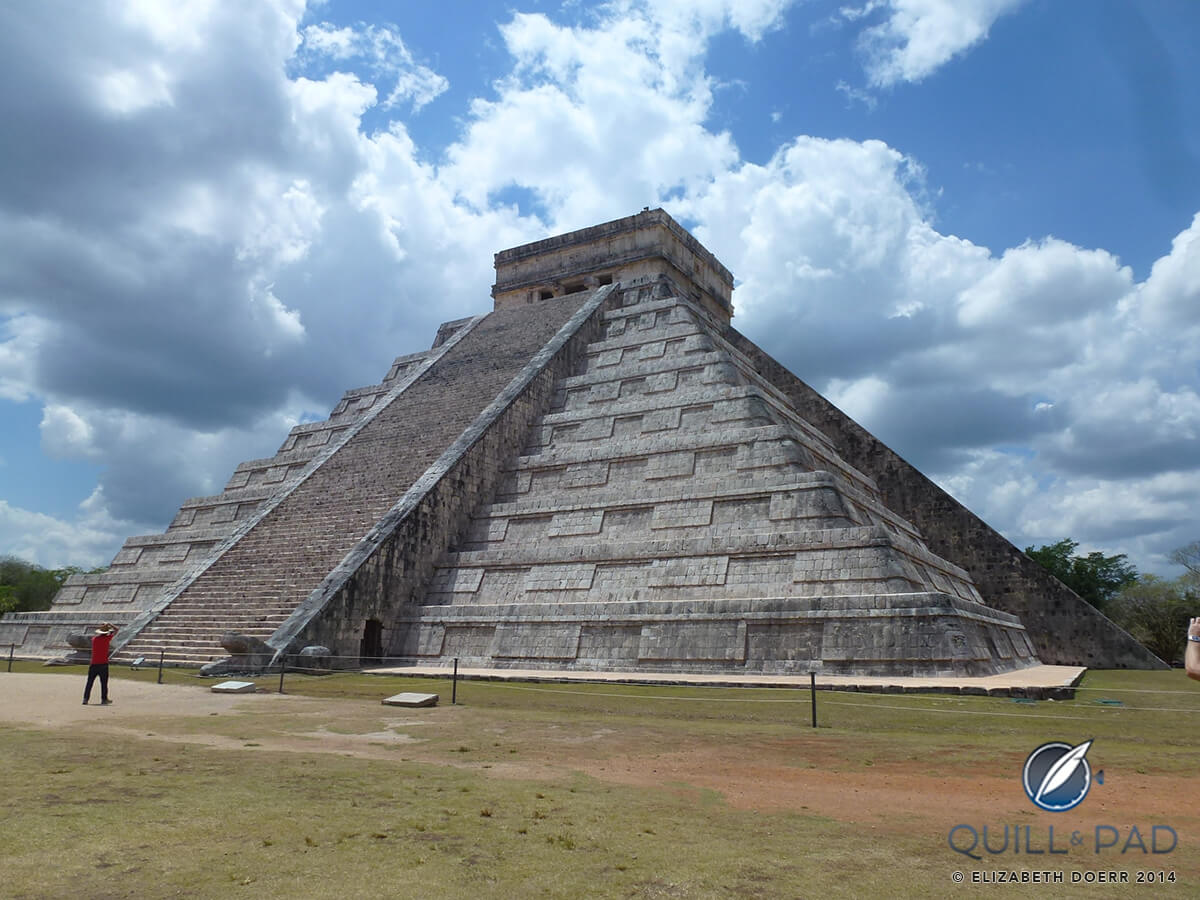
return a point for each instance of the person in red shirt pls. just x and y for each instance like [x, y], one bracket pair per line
[99, 667]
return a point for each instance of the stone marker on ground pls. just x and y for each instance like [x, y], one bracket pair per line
[235, 687]
[411, 699]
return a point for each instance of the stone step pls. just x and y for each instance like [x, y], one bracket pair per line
[194, 649]
[216, 620]
[228, 624]
[210, 627]
[179, 660]
[152, 646]
[201, 617]
[177, 651]
[202, 637]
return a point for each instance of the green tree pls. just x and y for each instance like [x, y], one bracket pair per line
[1096, 578]
[1055, 558]
[1156, 612]
[25, 587]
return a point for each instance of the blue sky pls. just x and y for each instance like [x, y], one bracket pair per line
[972, 223]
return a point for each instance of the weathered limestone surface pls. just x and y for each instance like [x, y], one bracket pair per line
[671, 512]
[246, 654]
[637, 249]
[392, 565]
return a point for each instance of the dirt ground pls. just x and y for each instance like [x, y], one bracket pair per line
[794, 774]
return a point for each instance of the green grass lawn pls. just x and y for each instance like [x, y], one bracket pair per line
[500, 796]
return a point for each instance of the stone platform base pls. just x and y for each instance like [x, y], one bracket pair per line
[1036, 682]
[44, 634]
[911, 635]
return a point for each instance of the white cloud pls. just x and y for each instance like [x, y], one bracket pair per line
[1039, 285]
[699, 19]
[65, 434]
[44, 540]
[595, 121]
[24, 333]
[383, 53]
[920, 36]
[1170, 297]
[862, 399]
[129, 91]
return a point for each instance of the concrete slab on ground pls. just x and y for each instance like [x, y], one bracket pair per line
[1034, 681]
[411, 699]
[235, 687]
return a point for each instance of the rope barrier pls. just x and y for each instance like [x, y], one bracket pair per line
[1120, 690]
[920, 703]
[924, 702]
[517, 687]
[907, 708]
[980, 712]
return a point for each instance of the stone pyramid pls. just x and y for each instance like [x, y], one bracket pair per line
[599, 474]
[670, 511]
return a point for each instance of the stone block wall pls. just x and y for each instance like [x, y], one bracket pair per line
[644, 247]
[671, 512]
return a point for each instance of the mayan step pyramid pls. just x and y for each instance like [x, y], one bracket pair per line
[600, 474]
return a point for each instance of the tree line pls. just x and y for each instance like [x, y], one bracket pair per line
[1154, 610]
[27, 587]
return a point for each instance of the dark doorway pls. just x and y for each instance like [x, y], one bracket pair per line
[371, 649]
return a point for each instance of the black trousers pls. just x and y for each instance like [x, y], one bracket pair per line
[101, 670]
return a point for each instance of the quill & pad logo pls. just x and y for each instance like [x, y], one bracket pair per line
[1057, 776]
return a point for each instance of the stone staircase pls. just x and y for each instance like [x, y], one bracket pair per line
[255, 584]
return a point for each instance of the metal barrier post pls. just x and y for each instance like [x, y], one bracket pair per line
[454, 684]
[812, 686]
[282, 669]
[161, 653]
[11, 648]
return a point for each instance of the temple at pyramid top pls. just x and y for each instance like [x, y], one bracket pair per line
[638, 248]
[600, 473]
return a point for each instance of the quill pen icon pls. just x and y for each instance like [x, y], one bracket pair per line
[1062, 770]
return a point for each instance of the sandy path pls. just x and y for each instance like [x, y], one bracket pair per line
[54, 701]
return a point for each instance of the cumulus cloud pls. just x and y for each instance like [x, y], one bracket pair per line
[917, 37]
[383, 53]
[1170, 297]
[44, 540]
[592, 119]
